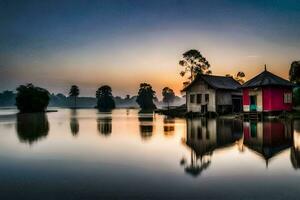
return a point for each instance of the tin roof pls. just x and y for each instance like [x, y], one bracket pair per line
[216, 82]
[267, 78]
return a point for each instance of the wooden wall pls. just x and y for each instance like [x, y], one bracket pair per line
[201, 88]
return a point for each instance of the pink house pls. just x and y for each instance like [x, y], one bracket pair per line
[267, 92]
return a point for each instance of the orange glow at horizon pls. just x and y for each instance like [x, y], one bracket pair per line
[150, 58]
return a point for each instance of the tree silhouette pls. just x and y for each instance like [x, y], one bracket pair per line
[74, 92]
[194, 63]
[294, 73]
[105, 100]
[168, 96]
[32, 99]
[145, 97]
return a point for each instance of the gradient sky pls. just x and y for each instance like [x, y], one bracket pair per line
[57, 43]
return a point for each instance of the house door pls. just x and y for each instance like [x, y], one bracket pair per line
[253, 103]
[236, 105]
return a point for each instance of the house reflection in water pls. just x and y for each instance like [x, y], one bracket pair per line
[169, 126]
[206, 135]
[146, 124]
[104, 124]
[268, 138]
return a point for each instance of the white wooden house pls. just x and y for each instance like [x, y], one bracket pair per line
[218, 94]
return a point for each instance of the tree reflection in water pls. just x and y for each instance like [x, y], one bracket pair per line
[74, 125]
[104, 123]
[169, 126]
[146, 124]
[206, 135]
[295, 150]
[32, 127]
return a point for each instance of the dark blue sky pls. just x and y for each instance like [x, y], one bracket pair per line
[51, 43]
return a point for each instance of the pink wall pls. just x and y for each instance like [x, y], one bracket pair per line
[273, 99]
[246, 99]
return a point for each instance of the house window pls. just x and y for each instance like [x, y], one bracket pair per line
[206, 98]
[192, 98]
[199, 97]
[288, 97]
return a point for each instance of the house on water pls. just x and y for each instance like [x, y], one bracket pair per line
[217, 94]
[267, 93]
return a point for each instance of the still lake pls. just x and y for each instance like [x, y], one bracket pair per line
[85, 154]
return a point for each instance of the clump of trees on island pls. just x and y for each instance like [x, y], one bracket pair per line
[105, 100]
[32, 99]
[168, 96]
[146, 96]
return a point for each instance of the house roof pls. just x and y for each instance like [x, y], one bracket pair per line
[267, 78]
[216, 82]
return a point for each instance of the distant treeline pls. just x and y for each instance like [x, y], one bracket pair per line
[7, 99]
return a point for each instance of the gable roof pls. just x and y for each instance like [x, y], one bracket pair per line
[216, 82]
[267, 78]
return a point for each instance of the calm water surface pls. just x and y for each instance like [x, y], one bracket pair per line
[85, 154]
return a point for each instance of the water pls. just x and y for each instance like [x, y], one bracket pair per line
[85, 154]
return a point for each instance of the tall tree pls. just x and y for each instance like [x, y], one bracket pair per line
[194, 63]
[32, 99]
[168, 96]
[105, 100]
[74, 92]
[294, 73]
[145, 97]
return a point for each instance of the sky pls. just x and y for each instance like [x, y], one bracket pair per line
[122, 43]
